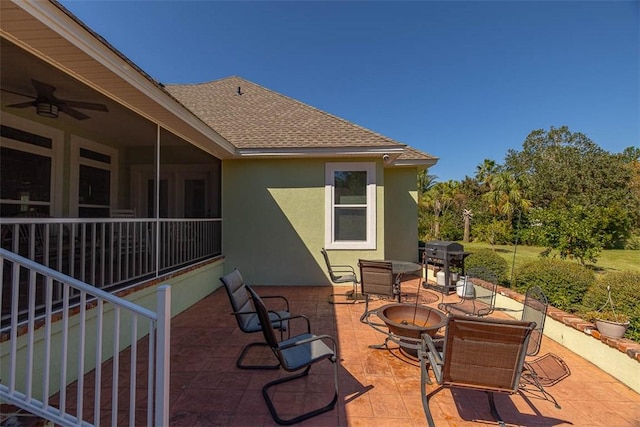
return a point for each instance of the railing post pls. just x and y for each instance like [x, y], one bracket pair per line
[162, 356]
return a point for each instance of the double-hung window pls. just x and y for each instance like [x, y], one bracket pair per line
[350, 205]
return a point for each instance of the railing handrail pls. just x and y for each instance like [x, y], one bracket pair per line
[44, 270]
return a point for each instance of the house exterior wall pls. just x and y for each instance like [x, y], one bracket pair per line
[274, 219]
[401, 214]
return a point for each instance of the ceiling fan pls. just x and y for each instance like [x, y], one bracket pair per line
[47, 105]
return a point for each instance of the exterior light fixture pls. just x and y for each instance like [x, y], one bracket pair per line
[46, 109]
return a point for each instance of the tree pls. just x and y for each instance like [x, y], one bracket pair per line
[467, 215]
[569, 168]
[576, 232]
[565, 169]
[439, 199]
[425, 181]
[503, 199]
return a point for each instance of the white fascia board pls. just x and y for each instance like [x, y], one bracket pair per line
[420, 163]
[324, 152]
[54, 18]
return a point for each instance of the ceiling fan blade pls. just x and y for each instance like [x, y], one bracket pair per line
[21, 105]
[17, 93]
[73, 113]
[44, 90]
[84, 105]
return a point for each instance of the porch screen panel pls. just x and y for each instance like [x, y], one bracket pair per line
[24, 177]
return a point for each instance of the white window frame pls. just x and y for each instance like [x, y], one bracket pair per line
[78, 142]
[330, 170]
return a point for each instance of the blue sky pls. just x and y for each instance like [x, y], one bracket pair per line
[463, 81]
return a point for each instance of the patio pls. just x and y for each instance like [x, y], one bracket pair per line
[377, 387]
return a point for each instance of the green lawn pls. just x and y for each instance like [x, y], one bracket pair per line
[609, 260]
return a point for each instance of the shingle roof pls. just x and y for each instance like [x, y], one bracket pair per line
[259, 118]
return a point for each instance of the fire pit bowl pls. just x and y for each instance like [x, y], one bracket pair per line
[410, 320]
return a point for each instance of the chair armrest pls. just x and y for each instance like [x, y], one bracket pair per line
[433, 355]
[297, 316]
[315, 338]
[343, 269]
[286, 301]
[432, 350]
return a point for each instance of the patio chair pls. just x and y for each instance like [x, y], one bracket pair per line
[376, 278]
[247, 317]
[535, 310]
[478, 354]
[294, 354]
[480, 301]
[339, 275]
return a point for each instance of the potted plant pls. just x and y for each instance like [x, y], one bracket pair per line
[609, 322]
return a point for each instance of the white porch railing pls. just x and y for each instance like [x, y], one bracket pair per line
[109, 253]
[62, 345]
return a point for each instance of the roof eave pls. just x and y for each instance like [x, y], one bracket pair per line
[290, 152]
[65, 24]
[416, 163]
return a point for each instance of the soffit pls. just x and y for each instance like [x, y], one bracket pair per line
[110, 77]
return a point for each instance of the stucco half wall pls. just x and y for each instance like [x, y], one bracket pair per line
[274, 219]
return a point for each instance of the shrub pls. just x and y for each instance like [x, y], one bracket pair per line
[494, 266]
[563, 282]
[625, 294]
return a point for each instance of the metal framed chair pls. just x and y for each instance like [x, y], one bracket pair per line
[376, 278]
[535, 310]
[247, 318]
[478, 354]
[294, 354]
[478, 300]
[339, 275]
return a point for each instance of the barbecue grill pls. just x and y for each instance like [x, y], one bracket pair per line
[444, 255]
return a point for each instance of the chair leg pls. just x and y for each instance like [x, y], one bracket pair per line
[529, 375]
[366, 313]
[246, 349]
[424, 380]
[307, 415]
[352, 296]
[494, 410]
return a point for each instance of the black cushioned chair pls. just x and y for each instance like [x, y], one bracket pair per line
[247, 317]
[297, 353]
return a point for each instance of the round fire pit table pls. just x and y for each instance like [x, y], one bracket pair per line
[406, 322]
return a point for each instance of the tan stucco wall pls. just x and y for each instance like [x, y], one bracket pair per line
[274, 220]
[401, 214]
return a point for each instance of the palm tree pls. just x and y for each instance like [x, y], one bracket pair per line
[485, 171]
[425, 181]
[467, 215]
[440, 198]
[504, 197]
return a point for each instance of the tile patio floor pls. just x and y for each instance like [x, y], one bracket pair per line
[377, 387]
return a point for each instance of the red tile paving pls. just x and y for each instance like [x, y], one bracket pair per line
[377, 387]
